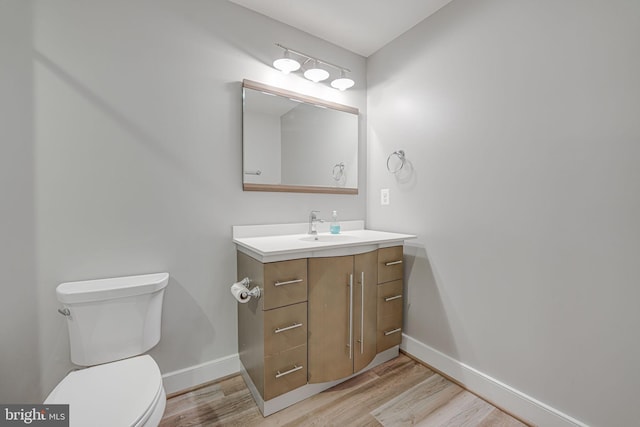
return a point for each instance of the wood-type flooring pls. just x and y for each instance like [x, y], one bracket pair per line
[400, 392]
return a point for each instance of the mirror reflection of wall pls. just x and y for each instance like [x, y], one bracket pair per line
[262, 138]
[313, 142]
[291, 143]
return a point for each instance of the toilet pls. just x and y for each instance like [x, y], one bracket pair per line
[112, 322]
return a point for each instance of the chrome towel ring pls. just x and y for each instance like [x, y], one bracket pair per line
[401, 157]
[338, 171]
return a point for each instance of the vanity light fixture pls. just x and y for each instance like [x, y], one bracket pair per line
[343, 82]
[286, 64]
[314, 68]
[315, 73]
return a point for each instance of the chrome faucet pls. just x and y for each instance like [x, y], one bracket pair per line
[313, 220]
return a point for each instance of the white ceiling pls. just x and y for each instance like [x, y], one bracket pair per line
[361, 26]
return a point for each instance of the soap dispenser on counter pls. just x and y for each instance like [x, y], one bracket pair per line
[334, 227]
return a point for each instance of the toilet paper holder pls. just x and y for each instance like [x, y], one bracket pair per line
[253, 293]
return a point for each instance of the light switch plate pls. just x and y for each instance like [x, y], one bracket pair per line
[384, 196]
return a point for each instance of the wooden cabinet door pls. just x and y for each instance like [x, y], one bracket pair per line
[365, 309]
[329, 310]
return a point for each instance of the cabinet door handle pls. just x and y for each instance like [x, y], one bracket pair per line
[290, 371]
[288, 282]
[288, 328]
[362, 313]
[392, 298]
[394, 331]
[350, 315]
[393, 263]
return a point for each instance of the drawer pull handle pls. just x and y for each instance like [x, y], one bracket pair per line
[290, 371]
[393, 263]
[288, 282]
[392, 332]
[288, 328]
[392, 298]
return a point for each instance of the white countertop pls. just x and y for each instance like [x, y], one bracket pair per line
[280, 242]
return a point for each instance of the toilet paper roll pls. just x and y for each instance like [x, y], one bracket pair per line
[240, 293]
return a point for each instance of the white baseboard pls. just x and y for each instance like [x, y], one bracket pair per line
[494, 391]
[192, 376]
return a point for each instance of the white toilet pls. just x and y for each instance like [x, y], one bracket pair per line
[110, 321]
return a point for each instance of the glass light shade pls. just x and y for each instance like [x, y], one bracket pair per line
[316, 74]
[342, 83]
[286, 65]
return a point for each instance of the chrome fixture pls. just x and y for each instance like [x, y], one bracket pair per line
[288, 282]
[287, 328]
[338, 171]
[314, 68]
[290, 371]
[401, 157]
[350, 316]
[313, 220]
[252, 293]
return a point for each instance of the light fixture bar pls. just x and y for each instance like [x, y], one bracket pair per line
[313, 58]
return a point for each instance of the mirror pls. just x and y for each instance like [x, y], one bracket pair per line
[297, 143]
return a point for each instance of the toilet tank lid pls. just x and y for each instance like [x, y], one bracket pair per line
[117, 287]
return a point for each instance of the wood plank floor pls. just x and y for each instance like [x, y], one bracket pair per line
[400, 392]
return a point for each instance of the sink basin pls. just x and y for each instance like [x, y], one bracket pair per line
[328, 238]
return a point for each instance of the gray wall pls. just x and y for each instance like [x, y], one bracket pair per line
[520, 119]
[19, 350]
[123, 156]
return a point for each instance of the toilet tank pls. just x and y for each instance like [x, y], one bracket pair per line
[112, 319]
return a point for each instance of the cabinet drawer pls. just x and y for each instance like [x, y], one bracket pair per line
[390, 299]
[390, 264]
[389, 315]
[285, 283]
[285, 371]
[389, 332]
[285, 328]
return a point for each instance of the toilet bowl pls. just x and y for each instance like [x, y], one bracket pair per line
[111, 323]
[124, 393]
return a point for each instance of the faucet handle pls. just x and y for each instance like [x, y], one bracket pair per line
[312, 214]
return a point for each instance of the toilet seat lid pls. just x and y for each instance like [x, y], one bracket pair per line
[119, 393]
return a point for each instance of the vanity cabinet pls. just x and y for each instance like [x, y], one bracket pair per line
[272, 330]
[318, 319]
[390, 297]
[342, 315]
